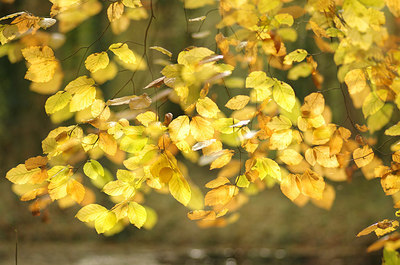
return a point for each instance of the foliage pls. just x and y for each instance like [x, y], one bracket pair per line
[261, 136]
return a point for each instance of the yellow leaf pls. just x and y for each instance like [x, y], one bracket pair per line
[137, 214]
[180, 189]
[324, 157]
[267, 168]
[378, 120]
[311, 156]
[118, 188]
[312, 185]
[80, 84]
[57, 102]
[123, 52]
[242, 181]
[290, 186]
[290, 157]
[328, 198]
[394, 130]
[363, 156]
[103, 75]
[313, 106]
[105, 222]
[380, 228]
[295, 56]
[43, 63]
[146, 118]
[97, 61]
[374, 102]
[281, 139]
[151, 219]
[237, 102]
[20, 175]
[215, 183]
[221, 195]
[207, 108]
[82, 99]
[90, 212]
[284, 95]
[132, 3]
[192, 4]
[179, 128]
[201, 129]
[284, 19]
[93, 169]
[51, 86]
[162, 50]
[279, 123]
[76, 190]
[115, 11]
[355, 81]
[107, 143]
[222, 160]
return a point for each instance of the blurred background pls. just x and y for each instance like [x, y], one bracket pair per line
[270, 230]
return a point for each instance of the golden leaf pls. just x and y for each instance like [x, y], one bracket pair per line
[221, 195]
[76, 190]
[123, 52]
[290, 157]
[97, 61]
[363, 156]
[201, 214]
[201, 129]
[107, 143]
[312, 184]
[355, 81]
[115, 11]
[215, 183]
[290, 186]
[43, 64]
[35, 162]
[328, 198]
[207, 108]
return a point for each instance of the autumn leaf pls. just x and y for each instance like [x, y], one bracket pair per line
[237, 102]
[381, 228]
[179, 128]
[363, 156]
[180, 189]
[42, 62]
[312, 184]
[123, 52]
[137, 214]
[295, 56]
[207, 108]
[291, 186]
[115, 11]
[57, 102]
[201, 129]
[284, 95]
[97, 61]
[93, 169]
[356, 81]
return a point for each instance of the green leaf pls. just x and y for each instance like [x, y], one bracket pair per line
[390, 257]
[295, 56]
[378, 120]
[57, 102]
[374, 102]
[93, 169]
[284, 95]
[267, 168]
[394, 130]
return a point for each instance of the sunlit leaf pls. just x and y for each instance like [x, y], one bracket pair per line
[97, 61]
[123, 52]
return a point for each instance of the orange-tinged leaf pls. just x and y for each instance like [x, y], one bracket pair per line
[20, 175]
[290, 157]
[381, 228]
[328, 198]
[179, 128]
[215, 183]
[290, 186]
[30, 195]
[312, 184]
[222, 160]
[237, 102]
[207, 108]
[221, 195]
[363, 156]
[201, 214]
[76, 190]
[107, 143]
[35, 162]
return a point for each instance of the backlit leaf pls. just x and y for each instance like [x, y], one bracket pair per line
[82, 99]
[76, 190]
[355, 81]
[90, 212]
[123, 52]
[363, 156]
[115, 11]
[237, 102]
[93, 169]
[57, 102]
[207, 108]
[201, 129]
[43, 63]
[221, 195]
[162, 50]
[179, 128]
[290, 186]
[180, 189]
[295, 56]
[97, 61]
[312, 184]
[20, 175]
[284, 95]
[105, 222]
[290, 157]
[394, 130]
[374, 102]
[137, 214]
